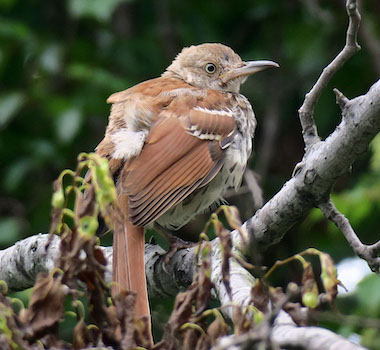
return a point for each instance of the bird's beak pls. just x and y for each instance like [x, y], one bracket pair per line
[250, 67]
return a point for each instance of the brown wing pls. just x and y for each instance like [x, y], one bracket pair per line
[182, 153]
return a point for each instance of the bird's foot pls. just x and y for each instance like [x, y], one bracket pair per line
[177, 244]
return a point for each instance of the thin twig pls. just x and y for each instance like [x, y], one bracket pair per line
[306, 112]
[254, 188]
[367, 252]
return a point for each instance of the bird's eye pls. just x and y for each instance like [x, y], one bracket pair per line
[210, 68]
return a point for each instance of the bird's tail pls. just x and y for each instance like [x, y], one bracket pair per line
[128, 261]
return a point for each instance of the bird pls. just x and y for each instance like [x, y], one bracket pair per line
[175, 144]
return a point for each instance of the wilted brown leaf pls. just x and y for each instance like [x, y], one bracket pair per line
[125, 313]
[310, 291]
[46, 306]
[191, 336]
[81, 336]
[329, 276]
[182, 311]
[142, 333]
[243, 322]
[218, 328]
[260, 296]
[181, 314]
[203, 278]
[226, 245]
[203, 343]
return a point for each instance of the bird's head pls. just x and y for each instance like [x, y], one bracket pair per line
[214, 66]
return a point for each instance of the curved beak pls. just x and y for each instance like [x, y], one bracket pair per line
[248, 68]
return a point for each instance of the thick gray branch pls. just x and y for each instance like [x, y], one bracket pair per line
[285, 334]
[21, 263]
[316, 174]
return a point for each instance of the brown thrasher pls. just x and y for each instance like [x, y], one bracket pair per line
[174, 145]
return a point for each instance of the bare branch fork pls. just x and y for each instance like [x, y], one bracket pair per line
[309, 129]
[316, 174]
[368, 253]
[325, 161]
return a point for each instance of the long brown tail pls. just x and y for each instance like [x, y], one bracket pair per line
[128, 261]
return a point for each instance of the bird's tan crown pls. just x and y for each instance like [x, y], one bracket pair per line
[217, 53]
[191, 63]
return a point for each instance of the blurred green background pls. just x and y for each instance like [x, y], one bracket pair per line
[60, 60]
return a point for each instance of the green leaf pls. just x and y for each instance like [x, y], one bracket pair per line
[5, 4]
[98, 9]
[16, 173]
[375, 160]
[51, 58]
[10, 229]
[13, 29]
[10, 104]
[95, 75]
[368, 295]
[68, 124]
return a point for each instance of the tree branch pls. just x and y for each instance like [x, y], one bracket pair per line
[285, 334]
[367, 252]
[306, 112]
[21, 263]
[315, 175]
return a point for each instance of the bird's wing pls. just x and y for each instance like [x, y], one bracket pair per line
[184, 150]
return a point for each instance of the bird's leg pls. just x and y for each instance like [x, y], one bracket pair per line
[176, 243]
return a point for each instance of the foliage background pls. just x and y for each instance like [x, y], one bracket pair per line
[60, 60]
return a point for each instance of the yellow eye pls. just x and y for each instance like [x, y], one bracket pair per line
[210, 68]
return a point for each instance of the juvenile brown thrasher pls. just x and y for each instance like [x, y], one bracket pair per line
[174, 145]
